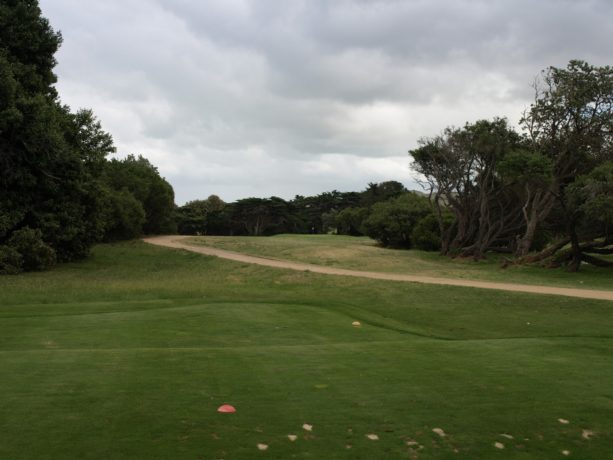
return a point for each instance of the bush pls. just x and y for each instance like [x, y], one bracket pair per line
[11, 261]
[391, 222]
[36, 254]
[125, 216]
[426, 234]
[350, 221]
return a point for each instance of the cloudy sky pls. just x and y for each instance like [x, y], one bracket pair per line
[268, 97]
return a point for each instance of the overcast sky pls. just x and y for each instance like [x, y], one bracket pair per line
[280, 97]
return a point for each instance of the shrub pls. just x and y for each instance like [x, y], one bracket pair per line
[36, 254]
[125, 216]
[11, 261]
[426, 234]
[391, 222]
[350, 221]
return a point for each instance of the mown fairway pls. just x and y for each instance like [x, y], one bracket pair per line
[129, 354]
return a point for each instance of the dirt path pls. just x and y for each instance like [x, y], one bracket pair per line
[177, 242]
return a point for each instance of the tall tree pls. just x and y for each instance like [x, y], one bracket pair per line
[143, 181]
[571, 123]
[461, 172]
[54, 200]
[260, 216]
[49, 157]
[195, 217]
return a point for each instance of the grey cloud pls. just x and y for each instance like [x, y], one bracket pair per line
[245, 97]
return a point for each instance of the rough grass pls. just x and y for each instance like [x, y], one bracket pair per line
[129, 354]
[362, 253]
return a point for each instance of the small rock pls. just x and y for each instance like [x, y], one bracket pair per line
[566, 453]
[587, 434]
[307, 427]
[508, 436]
[356, 324]
[372, 437]
[439, 431]
[262, 446]
[292, 437]
[499, 445]
[563, 421]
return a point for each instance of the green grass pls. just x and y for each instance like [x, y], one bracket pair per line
[128, 355]
[362, 253]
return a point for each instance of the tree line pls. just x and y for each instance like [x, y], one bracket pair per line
[59, 192]
[385, 211]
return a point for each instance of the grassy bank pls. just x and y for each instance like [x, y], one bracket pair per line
[129, 354]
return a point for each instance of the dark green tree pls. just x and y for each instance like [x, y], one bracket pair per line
[55, 196]
[139, 177]
[260, 216]
[124, 215]
[571, 124]
[197, 217]
[590, 199]
[392, 222]
[461, 171]
[382, 191]
[48, 160]
[350, 221]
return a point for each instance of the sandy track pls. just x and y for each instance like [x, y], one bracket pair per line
[177, 242]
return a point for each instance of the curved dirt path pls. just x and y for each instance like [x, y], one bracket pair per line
[177, 242]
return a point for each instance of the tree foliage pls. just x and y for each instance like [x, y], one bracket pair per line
[56, 196]
[200, 217]
[140, 178]
[571, 123]
[328, 212]
[506, 191]
[392, 222]
[461, 169]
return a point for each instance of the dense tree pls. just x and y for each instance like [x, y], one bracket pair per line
[530, 175]
[139, 177]
[56, 194]
[260, 216]
[590, 200]
[391, 222]
[507, 191]
[350, 221]
[571, 124]
[309, 211]
[318, 214]
[124, 215]
[461, 173]
[383, 191]
[47, 158]
[198, 216]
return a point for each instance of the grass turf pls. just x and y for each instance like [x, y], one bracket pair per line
[362, 253]
[128, 355]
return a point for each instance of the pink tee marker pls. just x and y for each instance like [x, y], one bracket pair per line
[226, 409]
